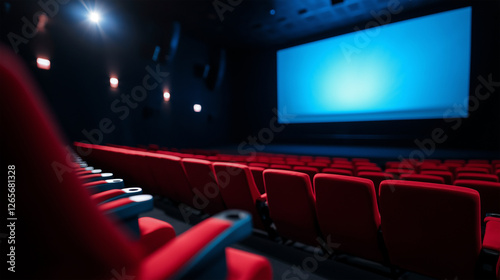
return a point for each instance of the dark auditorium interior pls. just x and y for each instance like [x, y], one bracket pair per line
[250, 139]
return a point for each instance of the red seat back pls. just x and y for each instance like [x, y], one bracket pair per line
[432, 229]
[347, 211]
[489, 192]
[238, 189]
[292, 205]
[201, 177]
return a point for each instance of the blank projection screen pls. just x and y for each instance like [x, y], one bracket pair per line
[414, 69]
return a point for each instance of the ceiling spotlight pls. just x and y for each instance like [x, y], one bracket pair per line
[95, 17]
[166, 96]
[113, 82]
[197, 108]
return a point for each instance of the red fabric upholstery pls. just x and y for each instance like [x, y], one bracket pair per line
[376, 177]
[170, 177]
[337, 171]
[446, 175]
[292, 205]
[201, 177]
[347, 211]
[105, 195]
[477, 176]
[243, 265]
[342, 166]
[280, 166]
[92, 177]
[472, 170]
[184, 247]
[487, 166]
[258, 178]
[488, 191]
[114, 204]
[434, 167]
[154, 234]
[422, 178]
[238, 189]
[318, 164]
[368, 168]
[396, 172]
[309, 170]
[259, 164]
[432, 229]
[492, 234]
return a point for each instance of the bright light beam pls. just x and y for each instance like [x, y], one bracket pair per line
[95, 17]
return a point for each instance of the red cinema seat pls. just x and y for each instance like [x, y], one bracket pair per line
[446, 175]
[322, 159]
[477, 176]
[422, 178]
[396, 172]
[281, 166]
[96, 177]
[80, 241]
[295, 162]
[347, 211]
[434, 167]
[172, 181]
[201, 177]
[259, 164]
[318, 164]
[292, 205]
[471, 170]
[488, 191]
[306, 158]
[370, 168]
[309, 170]
[431, 229]
[342, 166]
[376, 177]
[481, 165]
[238, 189]
[337, 171]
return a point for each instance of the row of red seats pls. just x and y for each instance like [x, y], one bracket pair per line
[287, 194]
[418, 221]
[195, 174]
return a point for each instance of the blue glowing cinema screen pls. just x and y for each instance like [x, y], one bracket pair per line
[414, 69]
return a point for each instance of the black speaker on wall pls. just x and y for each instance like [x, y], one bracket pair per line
[216, 69]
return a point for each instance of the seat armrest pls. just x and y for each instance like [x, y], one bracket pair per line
[199, 249]
[491, 239]
[490, 252]
[493, 215]
[115, 194]
[126, 211]
[104, 185]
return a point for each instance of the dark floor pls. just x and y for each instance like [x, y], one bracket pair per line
[289, 262]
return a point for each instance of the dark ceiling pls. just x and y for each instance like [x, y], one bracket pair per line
[248, 23]
[279, 22]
